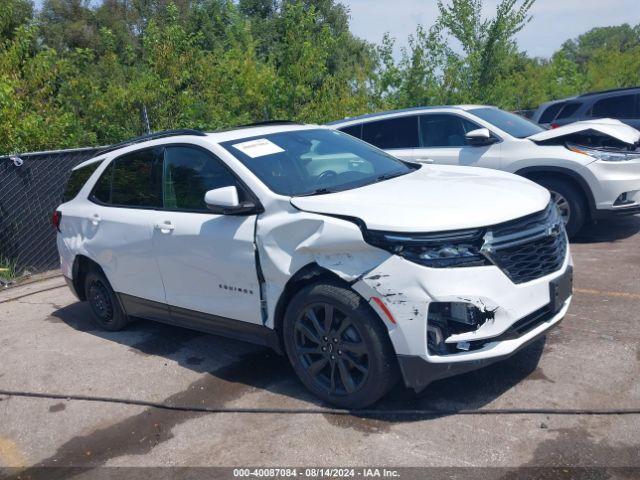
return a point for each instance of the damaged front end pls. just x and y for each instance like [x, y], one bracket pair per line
[485, 294]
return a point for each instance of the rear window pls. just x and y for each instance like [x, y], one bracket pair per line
[623, 106]
[400, 132]
[550, 113]
[568, 110]
[77, 180]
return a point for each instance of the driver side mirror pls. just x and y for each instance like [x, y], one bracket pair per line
[480, 137]
[225, 201]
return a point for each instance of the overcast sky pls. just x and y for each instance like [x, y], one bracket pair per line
[554, 21]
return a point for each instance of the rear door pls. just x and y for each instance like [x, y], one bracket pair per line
[207, 260]
[397, 135]
[442, 140]
[119, 228]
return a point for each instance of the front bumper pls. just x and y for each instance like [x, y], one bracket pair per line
[611, 180]
[418, 372]
[407, 289]
[616, 212]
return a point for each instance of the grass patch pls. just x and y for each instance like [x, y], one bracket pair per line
[8, 269]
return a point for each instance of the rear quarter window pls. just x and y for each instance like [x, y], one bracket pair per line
[77, 179]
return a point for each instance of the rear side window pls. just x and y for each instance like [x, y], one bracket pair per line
[353, 130]
[189, 173]
[102, 189]
[133, 180]
[623, 106]
[401, 132]
[568, 110]
[77, 180]
[550, 113]
[441, 130]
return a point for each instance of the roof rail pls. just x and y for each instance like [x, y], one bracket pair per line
[608, 91]
[150, 136]
[269, 122]
[386, 112]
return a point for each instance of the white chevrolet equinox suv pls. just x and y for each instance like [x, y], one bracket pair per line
[591, 168]
[362, 268]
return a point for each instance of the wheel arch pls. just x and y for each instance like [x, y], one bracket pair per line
[81, 266]
[533, 173]
[309, 274]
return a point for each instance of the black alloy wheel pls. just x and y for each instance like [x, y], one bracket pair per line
[330, 349]
[338, 346]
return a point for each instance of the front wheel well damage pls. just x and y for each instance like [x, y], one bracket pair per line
[308, 275]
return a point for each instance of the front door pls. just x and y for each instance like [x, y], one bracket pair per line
[207, 260]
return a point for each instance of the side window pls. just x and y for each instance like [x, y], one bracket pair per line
[188, 174]
[442, 130]
[136, 180]
[568, 110]
[353, 130]
[623, 106]
[550, 113]
[102, 189]
[400, 132]
[77, 179]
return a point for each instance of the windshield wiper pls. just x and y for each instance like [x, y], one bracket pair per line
[387, 176]
[318, 191]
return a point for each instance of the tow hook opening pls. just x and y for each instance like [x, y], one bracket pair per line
[451, 318]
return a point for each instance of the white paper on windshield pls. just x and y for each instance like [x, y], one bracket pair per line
[258, 148]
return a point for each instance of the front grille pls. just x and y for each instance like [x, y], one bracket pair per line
[528, 248]
[532, 260]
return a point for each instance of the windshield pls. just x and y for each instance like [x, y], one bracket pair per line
[307, 162]
[513, 124]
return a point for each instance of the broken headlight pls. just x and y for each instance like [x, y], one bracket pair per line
[437, 250]
[617, 155]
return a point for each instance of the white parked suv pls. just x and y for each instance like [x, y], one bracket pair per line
[361, 267]
[592, 168]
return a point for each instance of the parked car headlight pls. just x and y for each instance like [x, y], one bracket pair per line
[604, 155]
[439, 250]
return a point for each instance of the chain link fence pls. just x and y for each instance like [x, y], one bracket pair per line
[31, 187]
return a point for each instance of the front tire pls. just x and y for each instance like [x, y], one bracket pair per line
[106, 309]
[338, 347]
[570, 203]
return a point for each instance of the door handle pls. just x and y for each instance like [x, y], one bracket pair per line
[95, 219]
[165, 227]
[425, 160]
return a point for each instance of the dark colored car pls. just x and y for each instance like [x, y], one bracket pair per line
[622, 104]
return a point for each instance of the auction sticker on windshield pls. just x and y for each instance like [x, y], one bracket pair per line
[258, 148]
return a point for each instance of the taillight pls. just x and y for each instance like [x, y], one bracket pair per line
[56, 218]
[554, 125]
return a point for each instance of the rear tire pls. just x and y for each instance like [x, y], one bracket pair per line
[106, 309]
[338, 347]
[570, 202]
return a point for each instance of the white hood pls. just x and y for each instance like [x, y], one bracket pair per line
[606, 126]
[434, 198]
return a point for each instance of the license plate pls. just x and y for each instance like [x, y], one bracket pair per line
[560, 289]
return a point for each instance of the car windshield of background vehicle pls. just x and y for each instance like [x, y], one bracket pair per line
[318, 161]
[513, 124]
